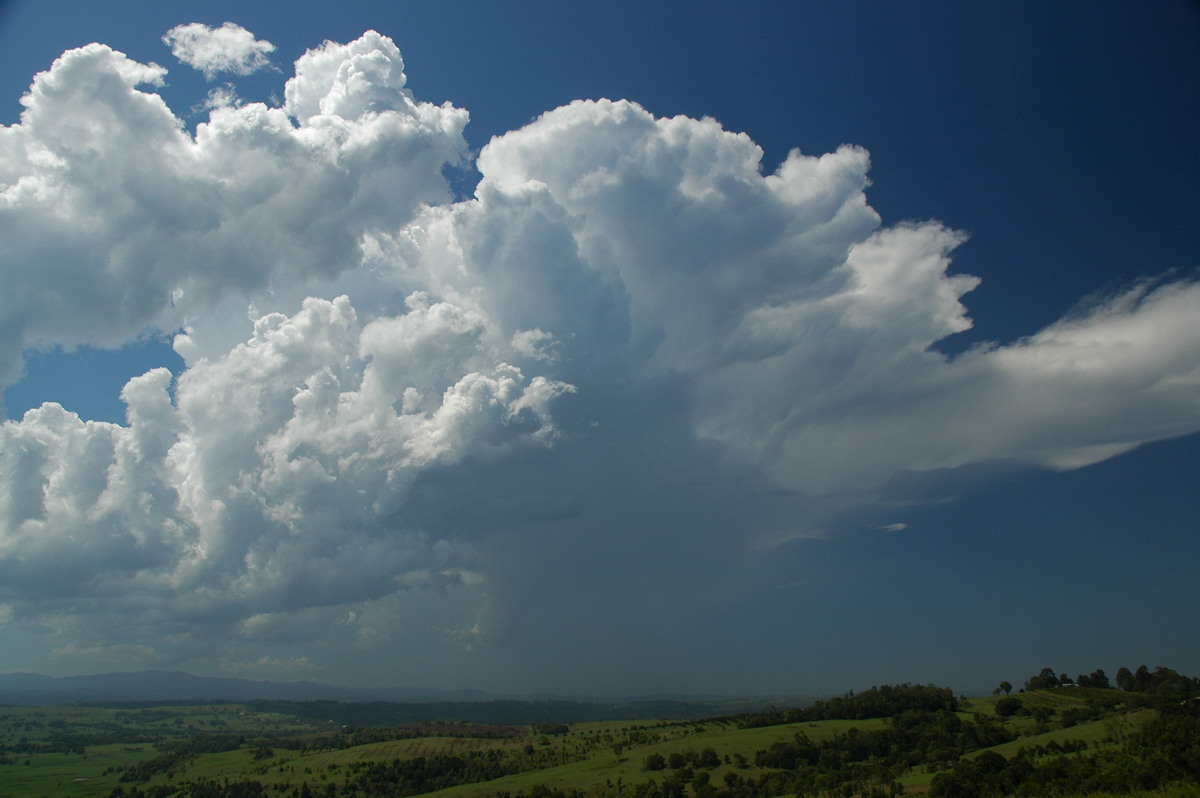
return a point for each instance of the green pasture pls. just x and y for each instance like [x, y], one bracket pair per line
[593, 756]
[113, 739]
[288, 767]
[604, 768]
[61, 774]
[606, 757]
[1098, 734]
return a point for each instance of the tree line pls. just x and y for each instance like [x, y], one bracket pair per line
[878, 702]
[1162, 683]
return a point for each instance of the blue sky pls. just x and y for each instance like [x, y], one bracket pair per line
[621, 397]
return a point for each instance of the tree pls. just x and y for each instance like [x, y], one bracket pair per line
[1043, 680]
[1008, 706]
[1125, 679]
[1006, 687]
[1098, 678]
[708, 758]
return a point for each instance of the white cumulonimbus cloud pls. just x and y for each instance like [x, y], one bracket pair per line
[115, 219]
[276, 476]
[229, 48]
[626, 298]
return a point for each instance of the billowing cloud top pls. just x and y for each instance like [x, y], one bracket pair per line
[116, 219]
[229, 48]
[427, 391]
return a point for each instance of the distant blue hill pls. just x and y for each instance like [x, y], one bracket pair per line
[24, 689]
[33, 688]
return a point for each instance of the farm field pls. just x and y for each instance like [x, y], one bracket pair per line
[903, 740]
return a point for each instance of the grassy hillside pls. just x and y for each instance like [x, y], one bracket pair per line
[885, 741]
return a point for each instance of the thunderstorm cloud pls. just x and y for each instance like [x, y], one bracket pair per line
[410, 419]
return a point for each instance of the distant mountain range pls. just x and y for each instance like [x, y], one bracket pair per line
[166, 686]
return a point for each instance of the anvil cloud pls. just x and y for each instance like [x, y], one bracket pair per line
[412, 419]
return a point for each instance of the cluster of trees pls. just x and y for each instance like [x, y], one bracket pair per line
[403, 777]
[1097, 679]
[353, 737]
[394, 779]
[1159, 681]
[61, 741]
[1165, 751]
[541, 791]
[912, 737]
[863, 762]
[878, 702]
[1046, 679]
[201, 788]
[550, 728]
[705, 759]
[173, 753]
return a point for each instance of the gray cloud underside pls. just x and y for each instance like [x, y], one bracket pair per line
[626, 333]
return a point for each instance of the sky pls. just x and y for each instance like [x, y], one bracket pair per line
[604, 349]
